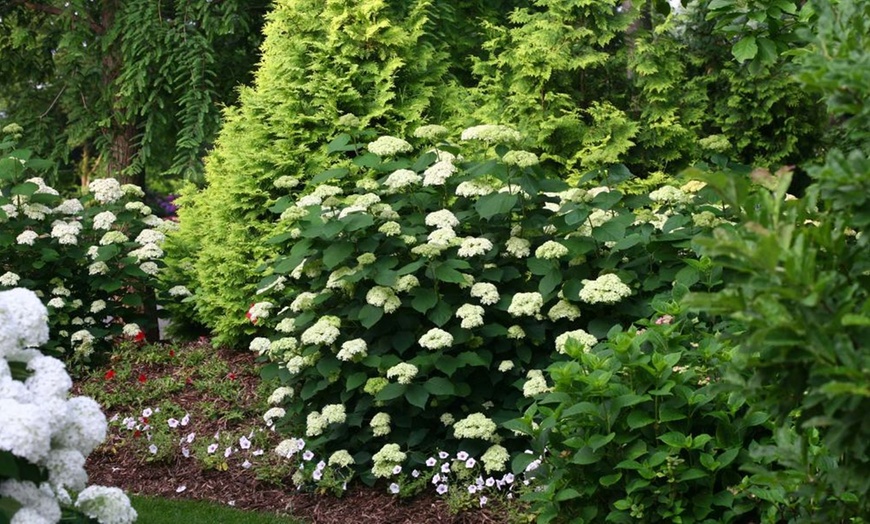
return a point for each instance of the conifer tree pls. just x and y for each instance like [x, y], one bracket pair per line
[321, 60]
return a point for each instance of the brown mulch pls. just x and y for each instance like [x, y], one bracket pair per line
[114, 464]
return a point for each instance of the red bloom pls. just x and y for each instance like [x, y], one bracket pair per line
[231, 375]
[142, 378]
[171, 352]
[109, 374]
[140, 336]
[248, 314]
[137, 434]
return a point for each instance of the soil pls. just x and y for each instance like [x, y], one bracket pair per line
[114, 464]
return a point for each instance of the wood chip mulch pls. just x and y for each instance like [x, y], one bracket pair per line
[118, 465]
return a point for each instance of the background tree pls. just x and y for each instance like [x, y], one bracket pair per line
[124, 87]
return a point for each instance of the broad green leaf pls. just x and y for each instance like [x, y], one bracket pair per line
[339, 143]
[745, 49]
[391, 391]
[585, 456]
[675, 439]
[609, 480]
[424, 299]
[439, 386]
[336, 253]
[417, 395]
[356, 380]
[638, 419]
[370, 315]
[495, 204]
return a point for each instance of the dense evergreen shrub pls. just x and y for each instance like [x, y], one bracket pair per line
[421, 290]
[320, 60]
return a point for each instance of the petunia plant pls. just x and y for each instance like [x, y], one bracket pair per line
[93, 259]
[423, 287]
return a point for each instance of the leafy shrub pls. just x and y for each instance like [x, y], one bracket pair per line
[637, 428]
[417, 297]
[94, 259]
[801, 303]
[45, 436]
[373, 58]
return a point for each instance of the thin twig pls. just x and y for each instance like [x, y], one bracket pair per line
[62, 89]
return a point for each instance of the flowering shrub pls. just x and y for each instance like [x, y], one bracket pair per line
[420, 296]
[45, 436]
[638, 427]
[93, 259]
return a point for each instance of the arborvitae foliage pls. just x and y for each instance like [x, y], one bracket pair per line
[321, 60]
[598, 82]
[549, 65]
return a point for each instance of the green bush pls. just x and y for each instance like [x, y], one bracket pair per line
[418, 294]
[368, 57]
[93, 259]
[638, 429]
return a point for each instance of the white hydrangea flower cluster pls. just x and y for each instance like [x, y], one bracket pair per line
[606, 289]
[324, 332]
[471, 315]
[70, 206]
[436, 338]
[106, 190]
[520, 158]
[9, 279]
[535, 384]
[386, 460]
[495, 458]
[403, 372]
[563, 310]
[492, 133]
[383, 297]
[474, 246]
[669, 195]
[476, 425]
[401, 179]
[518, 247]
[526, 304]
[486, 292]
[380, 424]
[353, 350]
[42, 425]
[438, 173]
[66, 232]
[583, 338]
[551, 250]
[104, 220]
[430, 132]
[473, 188]
[597, 218]
[389, 146]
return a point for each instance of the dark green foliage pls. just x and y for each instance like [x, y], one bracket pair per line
[370, 58]
[638, 430]
[128, 87]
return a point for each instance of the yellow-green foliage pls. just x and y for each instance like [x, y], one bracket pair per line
[320, 60]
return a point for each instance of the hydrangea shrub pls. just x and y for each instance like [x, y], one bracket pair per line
[93, 259]
[45, 436]
[422, 289]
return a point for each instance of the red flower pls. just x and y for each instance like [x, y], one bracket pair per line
[109, 374]
[171, 352]
[140, 336]
[231, 375]
[248, 314]
[137, 434]
[142, 378]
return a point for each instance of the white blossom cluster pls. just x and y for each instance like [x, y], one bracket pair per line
[583, 338]
[436, 338]
[535, 383]
[385, 460]
[486, 292]
[471, 315]
[401, 179]
[492, 133]
[41, 424]
[389, 146]
[526, 304]
[403, 372]
[106, 190]
[606, 289]
[353, 350]
[380, 424]
[474, 246]
[476, 425]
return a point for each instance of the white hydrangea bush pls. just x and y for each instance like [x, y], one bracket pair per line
[94, 260]
[427, 281]
[46, 435]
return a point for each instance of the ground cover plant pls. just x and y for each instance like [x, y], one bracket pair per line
[420, 296]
